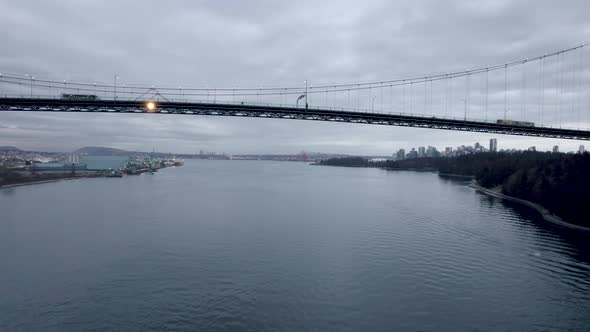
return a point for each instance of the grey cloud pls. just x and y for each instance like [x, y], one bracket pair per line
[254, 43]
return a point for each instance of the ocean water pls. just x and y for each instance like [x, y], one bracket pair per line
[271, 246]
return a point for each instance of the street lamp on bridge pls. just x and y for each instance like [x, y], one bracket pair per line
[151, 106]
[115, 78]
[32, 78]
[306, 95]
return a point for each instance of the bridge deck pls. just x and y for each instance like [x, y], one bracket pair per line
[284, 112]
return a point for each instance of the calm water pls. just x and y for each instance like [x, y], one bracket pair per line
[264, 246]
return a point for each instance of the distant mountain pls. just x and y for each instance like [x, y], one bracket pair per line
[9, 148]
[101, 151]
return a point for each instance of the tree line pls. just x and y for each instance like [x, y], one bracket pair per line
[560, 182]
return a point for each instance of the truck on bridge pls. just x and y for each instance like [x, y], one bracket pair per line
[79, 97]
[515, 123]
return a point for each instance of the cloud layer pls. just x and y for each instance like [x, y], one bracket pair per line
[264, 42]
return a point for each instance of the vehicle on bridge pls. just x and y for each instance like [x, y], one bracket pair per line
[515, 123]
[79, 97]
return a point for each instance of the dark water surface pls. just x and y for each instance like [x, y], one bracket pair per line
[267, 246]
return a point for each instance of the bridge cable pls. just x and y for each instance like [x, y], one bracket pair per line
[430, 96]
[505, 91]
[425, 99]
[130, 89]
[580, 84]
[468, 91]
[523, 90]
[487, 92]
[411, 97]
[348, 102]
[573, 87]
[381, 97]
[560, 86]
[447, 96]
[358, 100]
[404, 98]
[390, 98]
[542, 89]
[451, 97]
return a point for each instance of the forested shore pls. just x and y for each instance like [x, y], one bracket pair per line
[560, 182]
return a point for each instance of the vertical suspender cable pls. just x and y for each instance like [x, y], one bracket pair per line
[560, 85]
[425, 96]
[358, 97]
[523, 93]
[487, 91]
[505, 90]
[404, 96]
[390, 97]
[542, 90]
[467, 84]
[411, 96]
[447, 95]
[381, 97]
[430, 96]
[451, 95]
[580, 83]
[348, 103]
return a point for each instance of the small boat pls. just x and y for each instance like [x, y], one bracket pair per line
[113, 174]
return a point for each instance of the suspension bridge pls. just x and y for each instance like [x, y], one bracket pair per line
[545, 96]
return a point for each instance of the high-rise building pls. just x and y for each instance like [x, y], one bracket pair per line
[493, 145]
[555, 148]
[533, 148]
[401, 154]
[581, 149]
[412, 154]
[432, 152]
[421, 152]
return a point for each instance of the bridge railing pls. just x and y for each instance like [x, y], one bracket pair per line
[290, 106]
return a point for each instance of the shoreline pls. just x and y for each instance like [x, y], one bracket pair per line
[545, 213]
[30, 183]
[548, 216]
[456, 176]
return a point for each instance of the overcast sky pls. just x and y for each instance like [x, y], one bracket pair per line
[264, 43]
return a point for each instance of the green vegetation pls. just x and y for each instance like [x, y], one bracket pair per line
[559, 182]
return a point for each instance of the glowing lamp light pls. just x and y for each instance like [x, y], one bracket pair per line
[151, 106]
